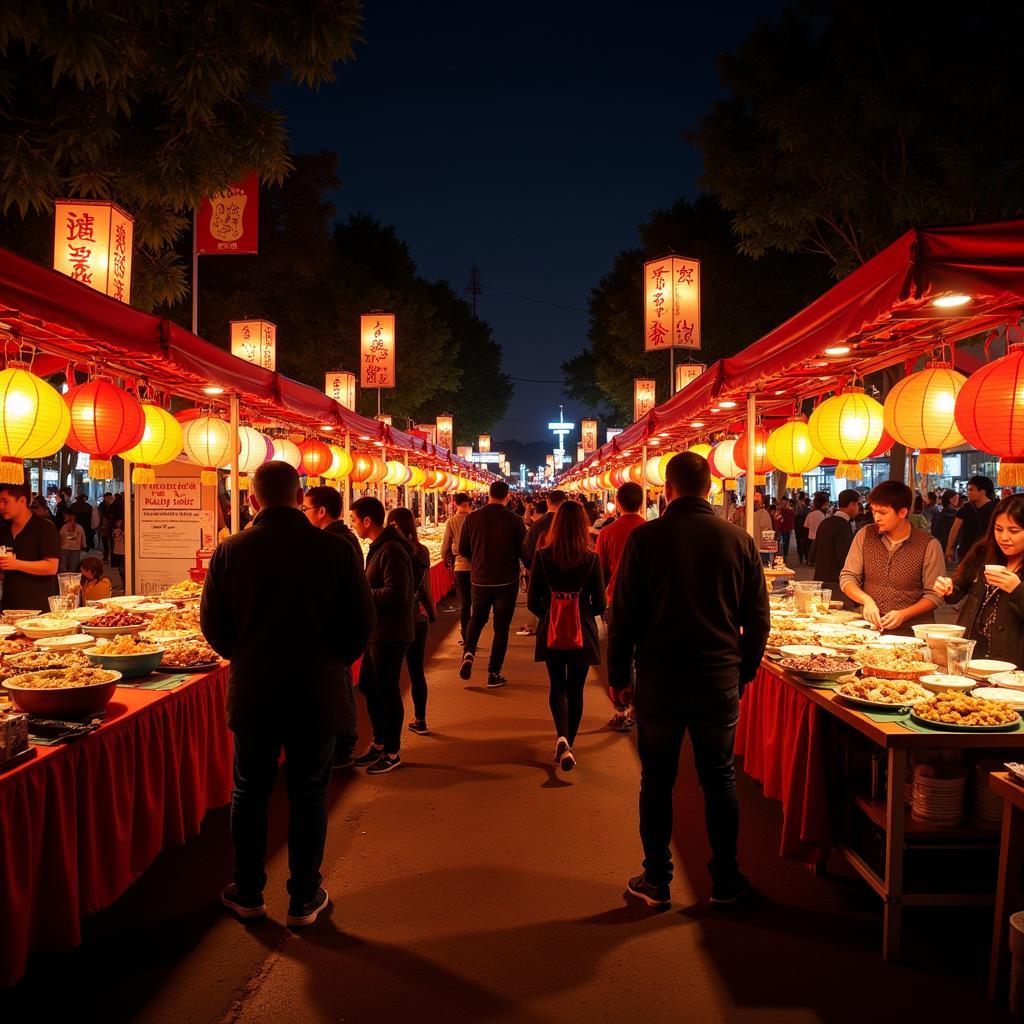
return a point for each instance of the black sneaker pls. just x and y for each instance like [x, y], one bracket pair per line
[365, 760]
[656, 896]
[729, 891]
[305, 912]
[466, 669]
[495, 679]
[419, 726]
[384, 764]
[246, 907]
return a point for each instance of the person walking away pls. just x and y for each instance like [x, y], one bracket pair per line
[322, 507]
[567, 594]
[33, 552]
[891, 568]
[457, 563]
[943, 521]
[492, 540]
[691, 606]
[282, 579]
[833, 541]
[800, 512]
[535, 530]
[611, 542]
[106, 525]
[72, 543]
[972, 518]
[389, 571]
[989, 578]
[814, 519]
[762, 524]
[95, 586]
[786, 524]
[424, 614]
[83, 516]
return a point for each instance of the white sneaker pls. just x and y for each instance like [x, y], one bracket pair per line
[561, 749]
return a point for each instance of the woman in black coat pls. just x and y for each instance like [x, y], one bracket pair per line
[993, 611]
[566, 565]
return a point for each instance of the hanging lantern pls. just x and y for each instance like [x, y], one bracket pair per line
[362, 469]
[316, 459]
[762, 464]
[990, 413]
[161, 443]
[654, 472]
[789, 449]
[207, 443]
[606, 480]
[418, 477]
[636, 473]
[847, 427]
[286, 450]
[396, 474]
[34, 421]
[919, 410]
[724, 465]
[104, 420]
[341, 463]
[379, 470]
[254, 449]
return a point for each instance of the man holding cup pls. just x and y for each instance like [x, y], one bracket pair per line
[29, 552]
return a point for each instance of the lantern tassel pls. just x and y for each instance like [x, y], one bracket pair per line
[929, 462]
[100, 469]
[729, 485]
[12, 471]
[760, 479]
[849, 471]
[244, 483]
[208, 478]
[794, 481]
[1011, 473]
[312, 481]
[143, 474]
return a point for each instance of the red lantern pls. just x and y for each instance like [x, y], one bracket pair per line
[635, 473]
[362, 469]
[104, 420]
[316, 460]
[990, 413]
[761, 463]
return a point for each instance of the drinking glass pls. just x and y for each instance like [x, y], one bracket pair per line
[804, 589]
[822, 598]
[62, 603]
[958, 655]
[70, 584]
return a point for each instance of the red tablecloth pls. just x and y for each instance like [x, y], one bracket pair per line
[80, 822]
[779, 737]
[441, 580]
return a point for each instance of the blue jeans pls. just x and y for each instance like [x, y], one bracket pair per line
[307, 769]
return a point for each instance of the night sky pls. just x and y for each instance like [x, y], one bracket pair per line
[530, 138]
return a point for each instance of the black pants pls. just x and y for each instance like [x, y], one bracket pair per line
[803, 542]
[307, 769]
[565, 696]
[784, 543]
[380, 677]
[503, 601]
[348, 738]
[108, 546]
[465, 589]
[661, 726]
[414, 660]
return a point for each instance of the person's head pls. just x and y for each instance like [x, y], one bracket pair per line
[890, 503]
[758, 499]
[322, 506]
[629, 497]
[275, 485]
[687, 475]
[366, 517]
[1005, 537]
[849, 502]
[91, 568]
[540, 508]
[69, 518]
[783, 503]
[14, 499]
[463, 503]
[39, 506]
[555, 498]
[498, 492]
[567, 540]
[119, 525]
[107, 497]
[980, 490]
[947, 498]
[404, 521]
[929, 498]
[82, 496]
[820, 500]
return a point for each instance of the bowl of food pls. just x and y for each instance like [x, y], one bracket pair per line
[984, 668]
[63, 692]
[37, 660]
[940, 682]
[151, 608]
[935, 635]
[116, 623]
[819, 666]
[1010, 680]
[13, 616]
[124, 654]
[71, 642]
[190, 656]
[83, 614]
[187, 590]
[42, 626]
[901, 661]
[1014, 698]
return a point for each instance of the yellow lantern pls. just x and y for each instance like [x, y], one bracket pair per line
[254, 449]
[418, 477]
[34, 421]
[654, 471]
[790, 450]
[918, 413]
[286, 450]
[161, 443]
[207, 443]
[847, 427]
[341, 463]
[395, 474]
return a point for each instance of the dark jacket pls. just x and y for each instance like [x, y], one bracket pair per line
[534, 533]
[492, 540]
[586, 578]
[339, 529]
[389, 572]
[424, 610]
[831, 546]
[289, 606]
[690, 604]
[1007, 635]
[942, 524]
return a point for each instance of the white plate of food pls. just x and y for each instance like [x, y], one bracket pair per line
[70, 642]
[1015, 698]
[891, 640]
[36, 629]
[985, 668]
[167, 636]
[882, 694]
[1011, 680]
[941, 682]
[83, 614]
[124, 601]
[152, 607]
[819, 666]
[805, 650]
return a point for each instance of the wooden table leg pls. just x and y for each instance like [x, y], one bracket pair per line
[895, 821]
[1011, 862]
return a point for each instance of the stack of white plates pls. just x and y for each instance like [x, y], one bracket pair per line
[937, 795]
[988, 808]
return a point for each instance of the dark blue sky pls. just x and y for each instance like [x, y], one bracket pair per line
[531, 138]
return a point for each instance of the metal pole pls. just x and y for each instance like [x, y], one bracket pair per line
[643, 476]
[671, 371]
[378, 403]
[751, 453]
[346, 490]
[195, 276]
[236, 497]
[128, 572]
[405, 487]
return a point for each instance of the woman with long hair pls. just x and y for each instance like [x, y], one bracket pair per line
[425, 613]
[989, 577]
[566, 578]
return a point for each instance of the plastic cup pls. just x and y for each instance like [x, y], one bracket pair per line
[958, 655]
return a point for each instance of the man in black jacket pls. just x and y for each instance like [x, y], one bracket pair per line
[281, 581]
[492, 540]
[389, 572]
[832, 543]
[691, 606]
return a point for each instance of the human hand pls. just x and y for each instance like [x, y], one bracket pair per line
[943, 586]
[872, 614]
[1002, 579]
[892, 620]
[8, 562]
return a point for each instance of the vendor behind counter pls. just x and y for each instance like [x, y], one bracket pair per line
[32, 553]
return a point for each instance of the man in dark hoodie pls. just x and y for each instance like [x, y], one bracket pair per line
[389, 572]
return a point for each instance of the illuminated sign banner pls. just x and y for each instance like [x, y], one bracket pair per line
[92, 244]
[377, 350]
[341, 386]
[255, 341]
[671, 304]
[643, 398]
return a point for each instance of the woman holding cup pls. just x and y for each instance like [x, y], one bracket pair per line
[989, 579]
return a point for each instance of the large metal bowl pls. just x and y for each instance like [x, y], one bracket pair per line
[68, 702]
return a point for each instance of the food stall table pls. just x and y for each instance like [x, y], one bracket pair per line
[794, 705]
[1011, 864]
[81, 821]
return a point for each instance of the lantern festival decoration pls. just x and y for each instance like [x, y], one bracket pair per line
[341, 463]
[377, 350]
[847, 427]
[671, 303]
[762, 464]
[789, 449]
[444, 431]
[315, 458]
[417, 476]
[397, 473]
[379, 470]
[341, 386]
[92, 244]
[483, 444]
[286, 450]
[919, 413]
[161, 442]
[207, 443]
[255, 341]
[687, 373]
[724, 465]
[362, 469]
[654, 472]
[465, 451]
[588, 435]
[990, 413]
[105, 419]
[254, 449]
[34, 421]
[644, 391]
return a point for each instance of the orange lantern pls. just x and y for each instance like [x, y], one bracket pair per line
[762, 465]
[316, 460]
[919, 413]
[104, 420]
[635, 473]
[379, 471]
[362, 469]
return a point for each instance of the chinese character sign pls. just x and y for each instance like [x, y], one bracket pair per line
[687, 373]
[377, 350]
[228, 223]
[465, 452]
[671, 304]
[643, 398]
[588, 434]
[483, 443]
[444, 431]
[580, 453]
[255, 341]
[92, 244]
[341, 386]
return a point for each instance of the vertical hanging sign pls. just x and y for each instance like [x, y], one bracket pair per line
[377, 350]
[484, 443]
[341, 386]
[671, 304]
[255, 341]
[444, 431]
[687, 373]
[643, 398]
[588, 433]
[228, 222]
[92, 244]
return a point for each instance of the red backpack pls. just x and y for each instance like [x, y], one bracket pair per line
[565, 631]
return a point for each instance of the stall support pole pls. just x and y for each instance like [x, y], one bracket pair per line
[751, 451]
[405, 487]
[643, 476]
[195, 277]
[236, 497]
[346, 491]
[128, 572]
